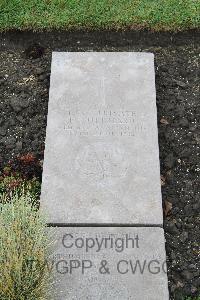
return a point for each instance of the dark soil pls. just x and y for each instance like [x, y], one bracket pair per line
[24, 78]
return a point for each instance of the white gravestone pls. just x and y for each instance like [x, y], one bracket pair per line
[101, 159]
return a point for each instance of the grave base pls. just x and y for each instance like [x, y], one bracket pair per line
[109, 263]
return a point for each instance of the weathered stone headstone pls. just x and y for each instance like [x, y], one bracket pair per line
[101, 159]
[101, 167]
[110, 263]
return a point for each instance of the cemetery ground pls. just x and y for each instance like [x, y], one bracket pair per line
[24, 77]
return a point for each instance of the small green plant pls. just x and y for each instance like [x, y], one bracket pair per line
[24, 248]
[13, 181]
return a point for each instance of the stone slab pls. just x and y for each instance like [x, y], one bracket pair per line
[125, 264]
[101, 159]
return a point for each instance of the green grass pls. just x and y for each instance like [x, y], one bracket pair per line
[24, 248]
[99, 14]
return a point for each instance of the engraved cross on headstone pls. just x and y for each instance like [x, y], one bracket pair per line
[102, 90]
